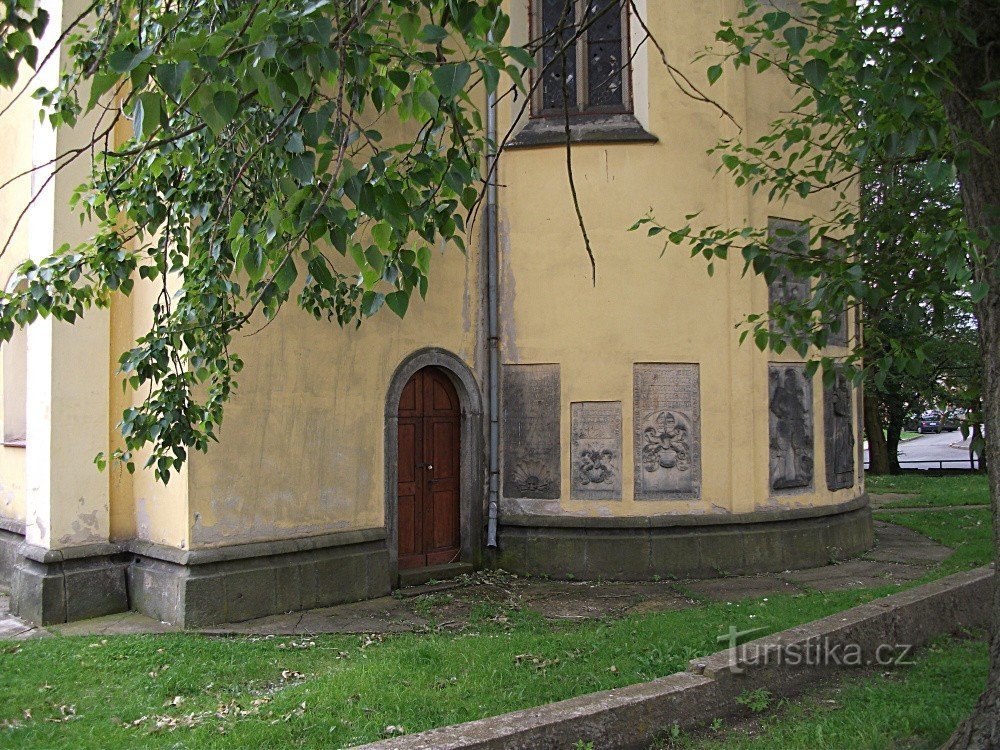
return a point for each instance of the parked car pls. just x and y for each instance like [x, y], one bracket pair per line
[931, 421]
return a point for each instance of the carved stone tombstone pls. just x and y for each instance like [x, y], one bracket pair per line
[838, 429]
[596, 450]
[837, 337]
[791, 428]
[781, 234]
[860, 411]
[531, 418]
[667, 431]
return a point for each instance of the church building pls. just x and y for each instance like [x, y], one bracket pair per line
[521, 417]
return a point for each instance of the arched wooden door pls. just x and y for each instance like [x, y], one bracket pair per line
[429, 469]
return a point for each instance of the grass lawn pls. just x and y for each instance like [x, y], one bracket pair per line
[964, 489]
[911, 707]
[191, 691]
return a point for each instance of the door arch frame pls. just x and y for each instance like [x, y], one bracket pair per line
[471, 482]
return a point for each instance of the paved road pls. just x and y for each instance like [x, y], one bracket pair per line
[929, 450]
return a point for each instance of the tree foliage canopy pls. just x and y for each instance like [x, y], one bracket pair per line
[324, 145]
[869, 80]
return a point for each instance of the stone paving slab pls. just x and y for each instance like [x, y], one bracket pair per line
[12, 628]
[734, 588]
[125, 623]
[880, 499]
[902, 545]
[855, 574]
[900, 555]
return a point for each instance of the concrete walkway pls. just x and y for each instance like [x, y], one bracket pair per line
[901, 555]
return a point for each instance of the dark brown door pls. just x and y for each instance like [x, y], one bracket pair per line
[429, 468]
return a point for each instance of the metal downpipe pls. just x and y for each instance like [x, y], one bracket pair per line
[492, 313]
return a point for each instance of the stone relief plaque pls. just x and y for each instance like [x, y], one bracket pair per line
[838, 433]
[781, 233]
[531, 449]
[837, 337]
[667, 431]
[791, 428]
[596, 450]
[860, 410]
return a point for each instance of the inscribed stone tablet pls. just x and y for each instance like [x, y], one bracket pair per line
[531, 405]
[667, 431]
[596, 450]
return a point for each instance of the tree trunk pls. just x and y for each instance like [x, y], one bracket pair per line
[979, 175]
[977, 432]
[878, 456]
[893, 431]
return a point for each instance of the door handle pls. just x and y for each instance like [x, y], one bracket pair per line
[429, 467]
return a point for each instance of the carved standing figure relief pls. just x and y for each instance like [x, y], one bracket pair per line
[791, 428]
[839, 433]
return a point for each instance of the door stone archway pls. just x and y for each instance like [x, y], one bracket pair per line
[428, 492]
[443, 369]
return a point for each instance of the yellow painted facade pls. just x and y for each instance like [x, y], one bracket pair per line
[303, 444]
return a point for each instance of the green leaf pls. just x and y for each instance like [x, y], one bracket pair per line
[398, 302]
[714, 73]
[151, 105]
[796, 37]
[409, 25]
[815, 72]
[226, 103]
[302, 167]
[521, 56]
[432, 34]
[371, 303]
[286, 275]
[451, 79]
[126, 60]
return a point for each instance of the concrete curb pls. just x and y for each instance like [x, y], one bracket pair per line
[632, 717]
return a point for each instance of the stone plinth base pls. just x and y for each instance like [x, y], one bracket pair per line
[11, 539]
[645, 548]
[56, 586]
[194, 588]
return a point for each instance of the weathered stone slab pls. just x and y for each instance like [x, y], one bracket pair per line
[667, 431]
[838, 432]
[859, 404]
[784, 236]
[596, 450]
[791, 428]
[838, 337]
[531, 407]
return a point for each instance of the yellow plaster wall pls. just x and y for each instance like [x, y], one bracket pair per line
[647, 309]
[301, 449]
[16, 135]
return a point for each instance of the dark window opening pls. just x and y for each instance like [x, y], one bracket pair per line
[583, 57]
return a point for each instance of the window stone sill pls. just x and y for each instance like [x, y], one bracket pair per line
[588, 129]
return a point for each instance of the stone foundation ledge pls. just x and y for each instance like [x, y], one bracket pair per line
[192, 588]
[49, 587]
[697, 546]
[635, 716]
[196, 588]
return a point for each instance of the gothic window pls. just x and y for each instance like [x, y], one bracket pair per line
[583, 57]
